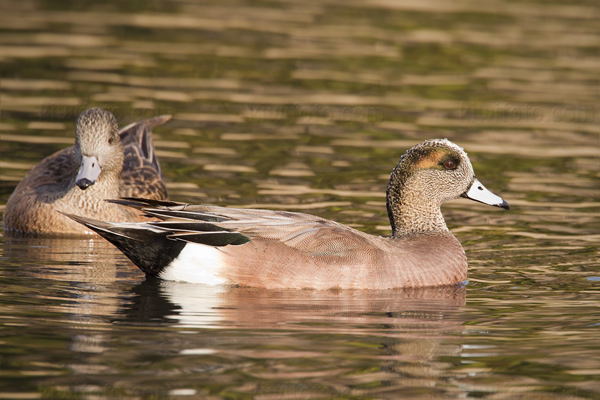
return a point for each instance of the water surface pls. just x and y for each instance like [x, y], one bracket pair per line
[308, 107]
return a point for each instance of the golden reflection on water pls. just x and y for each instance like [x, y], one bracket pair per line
[308, 107]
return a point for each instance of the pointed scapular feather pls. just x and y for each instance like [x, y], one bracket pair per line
[216, 239]
[140, 204]
[188, 226]
[188, 215]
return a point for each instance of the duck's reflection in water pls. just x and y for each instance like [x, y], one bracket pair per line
[347, 339]
[206, 306]
[88, 260]
[76, 280]
[406, 332]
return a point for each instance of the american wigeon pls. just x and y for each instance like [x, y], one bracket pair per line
[277, 249]
[103, 164]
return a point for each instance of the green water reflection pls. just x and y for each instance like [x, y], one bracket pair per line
[308, 106]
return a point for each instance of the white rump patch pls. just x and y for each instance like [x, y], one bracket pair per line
[196, 263]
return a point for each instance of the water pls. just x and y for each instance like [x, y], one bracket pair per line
[308, 106]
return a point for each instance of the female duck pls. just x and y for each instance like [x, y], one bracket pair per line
[103, 164]
[276, 249]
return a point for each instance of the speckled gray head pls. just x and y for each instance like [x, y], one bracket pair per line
[97, 146]
[427, 175]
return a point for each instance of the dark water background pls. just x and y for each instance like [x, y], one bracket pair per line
[308, 106]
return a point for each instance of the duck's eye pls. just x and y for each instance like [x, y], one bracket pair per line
[111, 140]
[450, 164]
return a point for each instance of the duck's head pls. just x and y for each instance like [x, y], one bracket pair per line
[429, 174]
[97, 146]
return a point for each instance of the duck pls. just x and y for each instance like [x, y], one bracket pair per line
[104, 163]
[275, 249]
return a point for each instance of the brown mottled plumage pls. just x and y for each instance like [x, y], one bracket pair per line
[125, 165]
[141, 175]
[278, 249]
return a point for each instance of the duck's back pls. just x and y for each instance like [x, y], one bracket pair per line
[29, 208]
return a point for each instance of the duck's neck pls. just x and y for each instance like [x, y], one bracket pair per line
[92, 198]
[412, 208]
